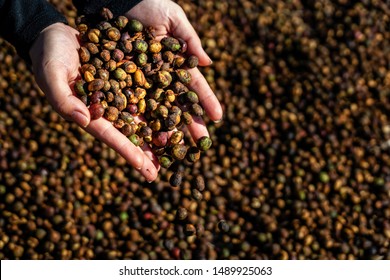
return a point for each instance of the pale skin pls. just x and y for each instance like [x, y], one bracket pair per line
[56, 65]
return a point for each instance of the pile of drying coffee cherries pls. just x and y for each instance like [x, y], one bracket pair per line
[140, 84]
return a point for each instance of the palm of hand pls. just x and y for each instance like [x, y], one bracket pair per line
[56, 67]
[168, 18]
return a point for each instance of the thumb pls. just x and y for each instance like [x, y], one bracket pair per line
[183, 29]
[60, 95]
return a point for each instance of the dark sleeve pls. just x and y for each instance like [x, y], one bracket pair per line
[21, 21]
[117, 7]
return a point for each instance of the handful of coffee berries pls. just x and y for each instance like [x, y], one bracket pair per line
[127, 74]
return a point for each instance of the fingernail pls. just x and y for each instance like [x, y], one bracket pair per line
[150, 182]
[210, 61]
[80, 118]
[218, 121]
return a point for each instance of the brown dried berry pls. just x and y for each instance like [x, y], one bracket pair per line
[96, 110]
[110, 65]
[140, 46]
[120, 101]
[192, 61]
[114, 86]
[141, 59]
[96, 62]
[183, 45]
[199, 183]
[132, 108]
[103, 74]
[165, 161]
[146, 133]
[106, 14]
[170, 96]
[171, 121]
[160, 139]
[82, 28]
[176, 179]
[168, 56]
[79, 87]
[162, 111]
[109, 96]
[140, 93]
[190, 230]
[105, 55]
[204, 143]
[135, 139]
[97, 97]
[139, 78]
[92, 48]
[175, 110]
[88, 76]
[128, 80]
[155, 125]
[187, 118]
[151, 105]
[154, 46]
[179, 151]
[127, 117]
[179, 87]
[196, 110]
[176, 137]
[120, 74]
[141, 106]
[129, 66]
[193, 154]
[109, 45]
[179, 61]
[121, 22]
[181, 213]
[113, 34]
[84, 54]
[156, 58]
[158, 151]
[94, 35]
[171, 44]
[191, 97]
[126, 46]
[88, 67]
[119, 123]
[183, 75]
[96, 85]
[197, 195]
[223, 226]
[135, 26]
[111, 113]
[127, 129]
[117, 55]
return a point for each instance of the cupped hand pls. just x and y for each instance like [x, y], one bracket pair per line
[56, 65]
[168, 18]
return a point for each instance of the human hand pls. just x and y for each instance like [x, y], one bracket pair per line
[56, 65]
[168, 18]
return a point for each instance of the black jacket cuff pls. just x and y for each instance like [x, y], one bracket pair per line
[117, 7]
[21, 21]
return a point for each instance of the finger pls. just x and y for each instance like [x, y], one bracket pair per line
[60, 95]
[197, 128]
[103, 130]
[183, 29]
[150, 155]
[207, 97]
[146, 148]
